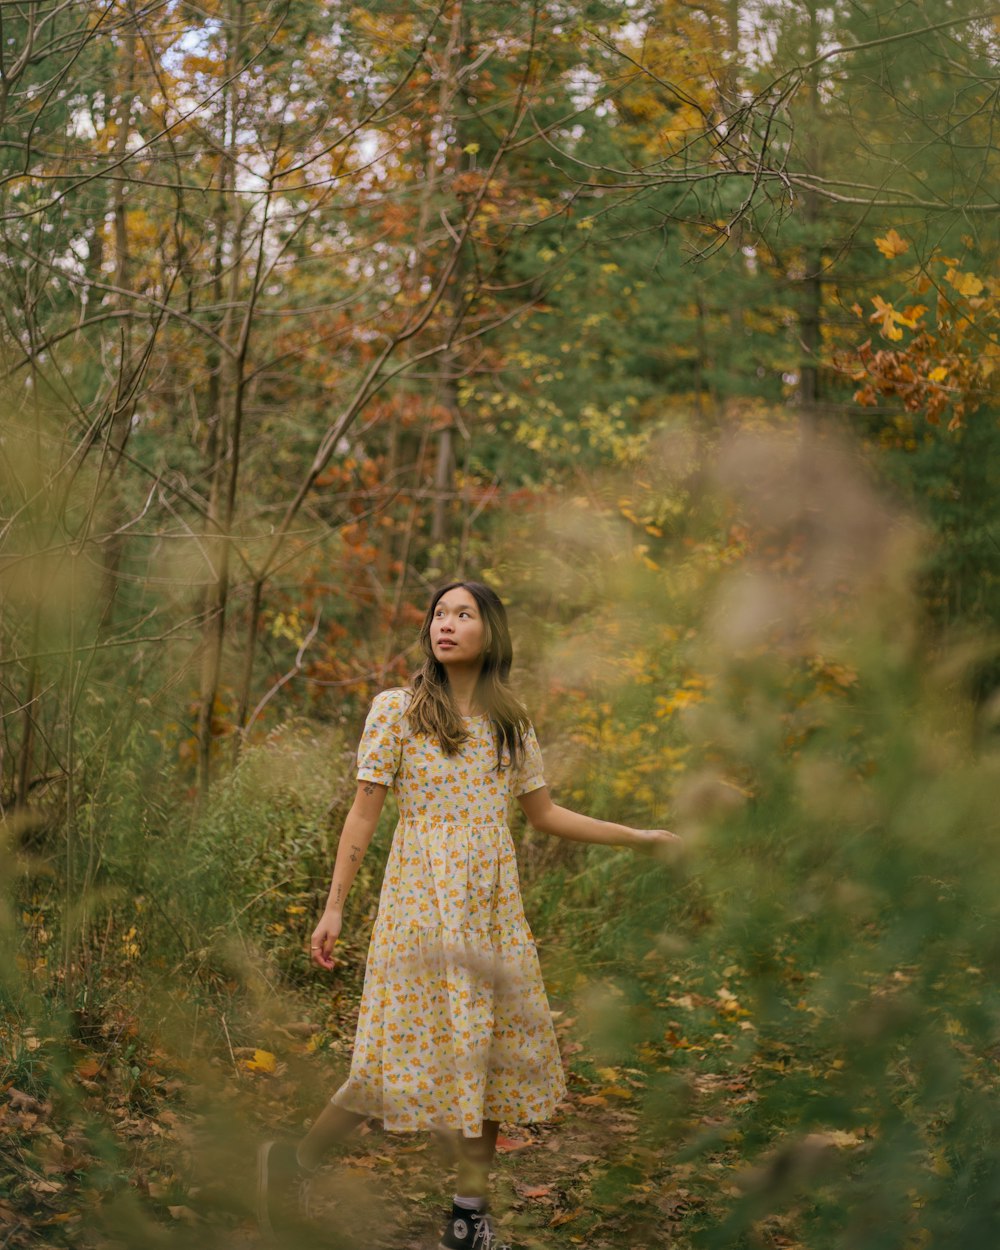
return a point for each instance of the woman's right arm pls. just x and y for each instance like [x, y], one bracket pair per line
[359, 827]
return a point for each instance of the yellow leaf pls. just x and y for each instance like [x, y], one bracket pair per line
[565, 1217]
[892, 244]
[262, 1061]
[617, 1091]
[964, 283]
[938, 375]
[888, 318]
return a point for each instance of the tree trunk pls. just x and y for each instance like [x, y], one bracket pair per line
[123, 386]
[443, 478]
[26, 749]
[447, 389]
[811, 296]
[228, 416]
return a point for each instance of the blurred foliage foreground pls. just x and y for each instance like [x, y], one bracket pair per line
[787, 1039]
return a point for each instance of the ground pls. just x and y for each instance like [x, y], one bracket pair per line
[147, 1152]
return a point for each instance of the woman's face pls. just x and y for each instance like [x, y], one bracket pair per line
[457, 629]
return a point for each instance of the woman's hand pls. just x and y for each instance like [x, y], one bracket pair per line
[324, 939]
[659, 842]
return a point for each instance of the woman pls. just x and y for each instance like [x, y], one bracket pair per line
[454, 1030]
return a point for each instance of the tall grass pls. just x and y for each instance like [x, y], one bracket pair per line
[810, 993]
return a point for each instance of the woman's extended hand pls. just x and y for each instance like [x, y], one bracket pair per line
[659, 842]
[324, 939]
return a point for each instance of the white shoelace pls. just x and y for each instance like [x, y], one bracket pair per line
[303, 1196]
[485, 1238]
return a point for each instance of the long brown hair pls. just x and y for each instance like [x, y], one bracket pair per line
[433, 710]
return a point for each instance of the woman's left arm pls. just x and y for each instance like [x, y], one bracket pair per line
[549, 817]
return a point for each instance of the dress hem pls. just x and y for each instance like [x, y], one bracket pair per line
[428, 1126]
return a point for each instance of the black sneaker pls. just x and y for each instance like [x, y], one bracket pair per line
[282, 1191]
[470, 1230]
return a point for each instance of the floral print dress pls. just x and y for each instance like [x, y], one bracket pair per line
[454, 1026]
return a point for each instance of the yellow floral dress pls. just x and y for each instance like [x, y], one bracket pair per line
[454, 1026]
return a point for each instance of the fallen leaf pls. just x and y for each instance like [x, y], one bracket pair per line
[565, 1217]
[301, 1028]
[616, 1091]
[536, 1191]
[45, 1187]
[25, 1102]
[262, 1061]
[183, 1213]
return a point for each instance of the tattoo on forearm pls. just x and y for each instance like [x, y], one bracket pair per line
[340, 892]
[355, 854]
[369, 787]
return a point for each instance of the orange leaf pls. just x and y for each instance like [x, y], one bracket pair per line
[536, 1191]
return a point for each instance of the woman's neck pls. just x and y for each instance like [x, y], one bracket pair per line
[463, 690]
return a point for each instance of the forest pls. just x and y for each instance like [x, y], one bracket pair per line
[677, 322]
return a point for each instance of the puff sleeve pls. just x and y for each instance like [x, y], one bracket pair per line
[381, 748]
[530, 770]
